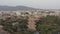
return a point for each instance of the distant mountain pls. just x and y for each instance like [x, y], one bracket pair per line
[15, 8]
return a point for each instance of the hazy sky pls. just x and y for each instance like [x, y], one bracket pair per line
[54, 4]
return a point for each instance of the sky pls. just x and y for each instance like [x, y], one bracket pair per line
[42, 4]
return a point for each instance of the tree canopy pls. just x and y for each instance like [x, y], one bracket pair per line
[48, 24]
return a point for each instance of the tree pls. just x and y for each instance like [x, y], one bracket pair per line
[15, 26]
[48, 24]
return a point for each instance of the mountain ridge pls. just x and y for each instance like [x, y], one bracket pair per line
[15, 8]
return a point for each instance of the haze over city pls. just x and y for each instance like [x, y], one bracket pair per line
[43, 4]
[29, 16]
